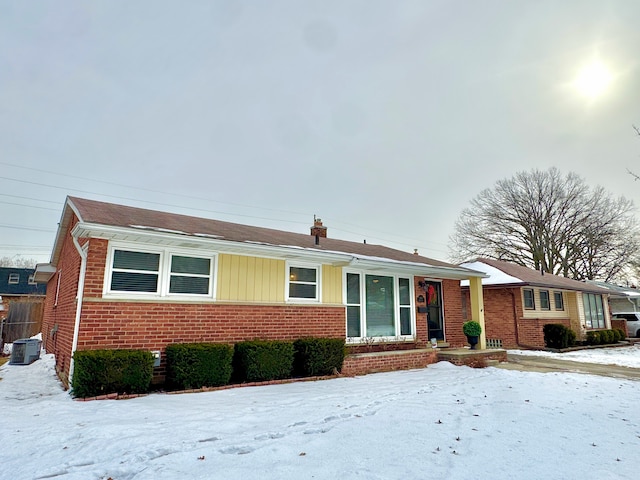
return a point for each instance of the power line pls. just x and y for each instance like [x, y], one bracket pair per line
[192, 197]
[145, 201]
[20, 227]
[414, 244]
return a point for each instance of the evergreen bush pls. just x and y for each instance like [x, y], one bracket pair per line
[100, 372]
[261, 360]
[471, 328]
[318, 356]
[558, 336]
[196, 365]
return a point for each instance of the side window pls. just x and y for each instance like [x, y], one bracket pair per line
[14, 278]
[558, 299]
[135, 271]
[529, 300]
[544, 300]
[303, 283]
[190, 275]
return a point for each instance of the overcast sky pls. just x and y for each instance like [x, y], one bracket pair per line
[383, 118]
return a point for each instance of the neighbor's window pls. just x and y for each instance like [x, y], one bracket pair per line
[135, 271]
[558, 300]
[544, 300]
[32, 280]
[529, 300]
[190, 275]
[14, 278]
[593, 310]
[378, 306]
[303, 283]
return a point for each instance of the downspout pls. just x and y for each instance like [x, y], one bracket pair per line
[515, 315]
[515, 322]
[80, 295]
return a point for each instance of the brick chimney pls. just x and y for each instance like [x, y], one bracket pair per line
[318, 230]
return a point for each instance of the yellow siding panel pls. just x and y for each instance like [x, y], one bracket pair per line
[331, 284]
[250, 279]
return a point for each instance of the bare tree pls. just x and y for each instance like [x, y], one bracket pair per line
[550, 222]
[18, 262]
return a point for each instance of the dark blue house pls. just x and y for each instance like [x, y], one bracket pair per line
[23, 303]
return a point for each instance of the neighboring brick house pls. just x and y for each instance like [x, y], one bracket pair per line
[519, 301]
[124, 277]
[22, 302]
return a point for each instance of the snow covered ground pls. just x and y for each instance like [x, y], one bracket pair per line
[623, 356]
[440, 422]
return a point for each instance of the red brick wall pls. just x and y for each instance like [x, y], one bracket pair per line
[621, 324]
[153, 326]
[502, 309]
[452, 306]
[58, 321]
[361, 364]
[530, 329]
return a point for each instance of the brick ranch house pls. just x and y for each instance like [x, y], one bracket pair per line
[519, 301]
[130, 278]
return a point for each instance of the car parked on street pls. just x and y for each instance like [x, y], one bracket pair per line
[633, 322]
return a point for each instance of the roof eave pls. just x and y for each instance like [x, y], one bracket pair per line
[289, 252]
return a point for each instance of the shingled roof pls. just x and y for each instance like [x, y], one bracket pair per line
[95, 213]
[504, 274]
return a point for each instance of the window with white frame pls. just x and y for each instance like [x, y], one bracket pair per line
[378, 306]
[593, 310]
[190, 275]
[14, 278]
[32, 280]
[544, 300]
[303, 283]
[160, 272]
[135, 271]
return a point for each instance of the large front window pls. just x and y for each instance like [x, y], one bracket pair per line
[159, 272]
[593, 310]
[378, 306]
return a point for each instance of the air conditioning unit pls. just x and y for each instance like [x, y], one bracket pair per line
[25, 351]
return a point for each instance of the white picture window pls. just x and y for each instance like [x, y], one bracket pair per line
[378, 306]
[14, 278]
[303, 283]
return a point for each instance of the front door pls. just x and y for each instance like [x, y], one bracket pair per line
[435, 321]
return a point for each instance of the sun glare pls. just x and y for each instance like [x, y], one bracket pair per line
[593, 80]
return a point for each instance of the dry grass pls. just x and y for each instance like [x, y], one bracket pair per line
[3, 360]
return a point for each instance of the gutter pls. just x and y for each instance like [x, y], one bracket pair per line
[76, 328]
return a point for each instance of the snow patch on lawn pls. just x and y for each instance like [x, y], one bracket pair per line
[623, 356]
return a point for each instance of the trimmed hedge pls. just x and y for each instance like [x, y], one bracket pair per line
[100, 372]
[196, 365]
[318, 356]
[261, 360]
[604, 337]
[558, 336]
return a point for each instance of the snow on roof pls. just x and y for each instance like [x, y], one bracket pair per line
[496, 277]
